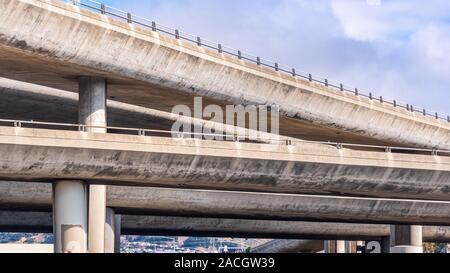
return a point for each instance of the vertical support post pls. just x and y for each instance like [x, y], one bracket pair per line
[351, 247]
[334, 246]
[406, 239]
[340, 246]
[112, 231]
[117, 233]
[92, 114]
[359, 246]
[70, 216]
[327, 246]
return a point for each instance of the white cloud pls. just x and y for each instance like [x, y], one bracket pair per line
[390, 20]
[396, 49]
[431, 49]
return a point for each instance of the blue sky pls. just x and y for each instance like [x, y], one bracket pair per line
[396, 48]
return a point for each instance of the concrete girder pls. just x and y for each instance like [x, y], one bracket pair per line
[304, 168]
[240, 205]
[155, 71]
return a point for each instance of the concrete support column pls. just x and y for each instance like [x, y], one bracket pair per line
[340, 246]
[70, 216]
[334, 246]
[406, 239]
[112, 232]
[92, 112]
[351, 247]
[117, 233]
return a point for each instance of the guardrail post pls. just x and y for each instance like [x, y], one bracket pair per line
[395, 103]
[356, 92]
[424, 112]
[381, 99]
[407, 107]
[411, 108]
[293, 72]
[177, 34]
[448, 118]
[341, 87]
[129, 19]
[388, 150]
[436, 115]
[199, 41]
[219, 48]
[258, 60]
[154, 26]
[326, 82]
[239, 54]
[276, 67]
[370, 95]
[310, 77]
[103, 8]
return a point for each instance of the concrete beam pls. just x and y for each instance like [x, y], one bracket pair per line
[26, 101]
[23, 221]
[241, 205]
[304, 168]
[155, 71]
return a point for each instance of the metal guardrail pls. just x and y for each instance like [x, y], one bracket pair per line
[226, 137]
[223, 49]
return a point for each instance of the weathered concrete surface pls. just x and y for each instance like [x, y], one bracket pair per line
[240, 205]
[243, 228]
[25, 221]
[26, 101]
[159, 72]
[44, 155]
[289, 246]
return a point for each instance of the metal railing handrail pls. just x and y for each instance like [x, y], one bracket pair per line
[245, 56]
[228, 137]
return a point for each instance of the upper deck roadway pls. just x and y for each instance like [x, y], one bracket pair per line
[52, 43]
[300, 167]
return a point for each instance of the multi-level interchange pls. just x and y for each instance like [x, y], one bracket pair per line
[74, 164]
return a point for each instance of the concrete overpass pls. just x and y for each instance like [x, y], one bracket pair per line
[45, 155]
[156, 225]
[240, 205]
[158, 72]
[26, 101]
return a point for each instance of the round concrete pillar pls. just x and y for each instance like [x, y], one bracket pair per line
[334, 246]
[112, 232]
[117, 232]
[92, 103]
[70, 217]
[406, 239]
[92, 113]
[340, 246]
